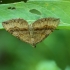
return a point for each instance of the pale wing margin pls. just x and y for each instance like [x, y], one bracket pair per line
[20, 23]
[46, 23]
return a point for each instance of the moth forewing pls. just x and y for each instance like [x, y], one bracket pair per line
[43, 27]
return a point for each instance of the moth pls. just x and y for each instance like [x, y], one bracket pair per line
[31, 33]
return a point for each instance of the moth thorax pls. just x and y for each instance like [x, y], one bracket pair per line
[31, 34]
[31, 30]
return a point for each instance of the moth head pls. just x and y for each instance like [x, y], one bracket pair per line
[34, 45]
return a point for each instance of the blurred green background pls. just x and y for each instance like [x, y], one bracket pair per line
[53, 53]
[17, 55]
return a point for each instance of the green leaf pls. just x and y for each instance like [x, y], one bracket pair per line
[48, 0]
[34, 10]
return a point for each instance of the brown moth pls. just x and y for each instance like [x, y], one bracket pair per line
[31, 33]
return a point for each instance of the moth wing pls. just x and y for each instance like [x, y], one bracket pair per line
[18, 28]
[43, 27]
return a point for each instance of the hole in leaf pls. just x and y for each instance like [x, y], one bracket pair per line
[34, 11]
[12, 8]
